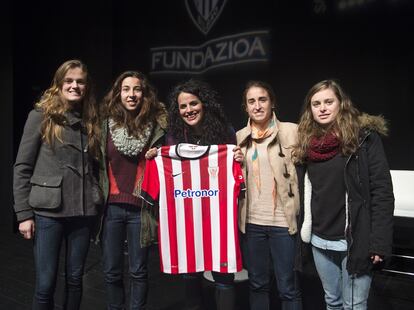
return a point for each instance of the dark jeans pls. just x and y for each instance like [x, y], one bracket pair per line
[49, 234]
[121, 220]
[276, 241]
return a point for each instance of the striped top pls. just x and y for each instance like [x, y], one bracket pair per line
[196, 188]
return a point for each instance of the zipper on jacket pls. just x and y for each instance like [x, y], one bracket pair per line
[348, 232]
[349, 229]
[357, 170]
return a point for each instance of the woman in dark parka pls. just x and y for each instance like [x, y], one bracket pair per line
[347, 199]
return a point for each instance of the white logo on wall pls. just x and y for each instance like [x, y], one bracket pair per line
[235, 49]
[229, 50]
[204, 13]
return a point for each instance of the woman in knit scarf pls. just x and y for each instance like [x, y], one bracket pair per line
[347, 201]
[134, 121]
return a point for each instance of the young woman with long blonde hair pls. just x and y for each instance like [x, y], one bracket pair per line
[347, 199]
[56, 190]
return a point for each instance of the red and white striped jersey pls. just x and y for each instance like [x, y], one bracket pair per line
[197, 189]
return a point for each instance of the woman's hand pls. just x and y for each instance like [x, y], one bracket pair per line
[27, 228]
[151, 153]
[238, 154]
[376, 259]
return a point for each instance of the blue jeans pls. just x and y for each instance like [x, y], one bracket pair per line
[49, 234]
[276, 241]
[342, 291]
[121, 220]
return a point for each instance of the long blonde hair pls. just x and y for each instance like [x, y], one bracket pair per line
[345, 125]
[53, 107]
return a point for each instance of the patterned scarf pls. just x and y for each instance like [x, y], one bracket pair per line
[323, 148]
[129, 145]
[257, 135]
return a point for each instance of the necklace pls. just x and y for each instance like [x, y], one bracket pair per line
[126, 144]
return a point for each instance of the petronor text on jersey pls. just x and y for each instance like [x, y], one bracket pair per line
[188, 193]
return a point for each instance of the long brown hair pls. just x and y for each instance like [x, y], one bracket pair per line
[54, 106]
[345, 125]
[149, 110]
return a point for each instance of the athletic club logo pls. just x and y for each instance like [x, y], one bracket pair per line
[204, 13]
[213, 171]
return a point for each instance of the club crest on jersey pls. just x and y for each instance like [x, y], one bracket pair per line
[213, 171]
[204, 13]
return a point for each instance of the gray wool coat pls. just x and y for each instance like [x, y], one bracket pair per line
[56, 182]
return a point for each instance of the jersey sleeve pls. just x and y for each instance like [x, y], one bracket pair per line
[150, 188]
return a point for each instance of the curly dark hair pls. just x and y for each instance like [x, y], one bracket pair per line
[214, 125]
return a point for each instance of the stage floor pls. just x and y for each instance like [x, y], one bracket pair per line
[166, 292]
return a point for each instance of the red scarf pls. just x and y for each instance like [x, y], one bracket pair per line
[323, 148]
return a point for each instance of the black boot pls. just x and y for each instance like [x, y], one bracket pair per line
[193, 292]
[225, 298]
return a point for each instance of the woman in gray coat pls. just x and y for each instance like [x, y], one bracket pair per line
[55, 187]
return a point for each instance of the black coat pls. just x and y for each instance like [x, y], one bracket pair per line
[370, 203]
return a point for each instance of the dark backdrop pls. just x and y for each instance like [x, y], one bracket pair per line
[366, 45]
